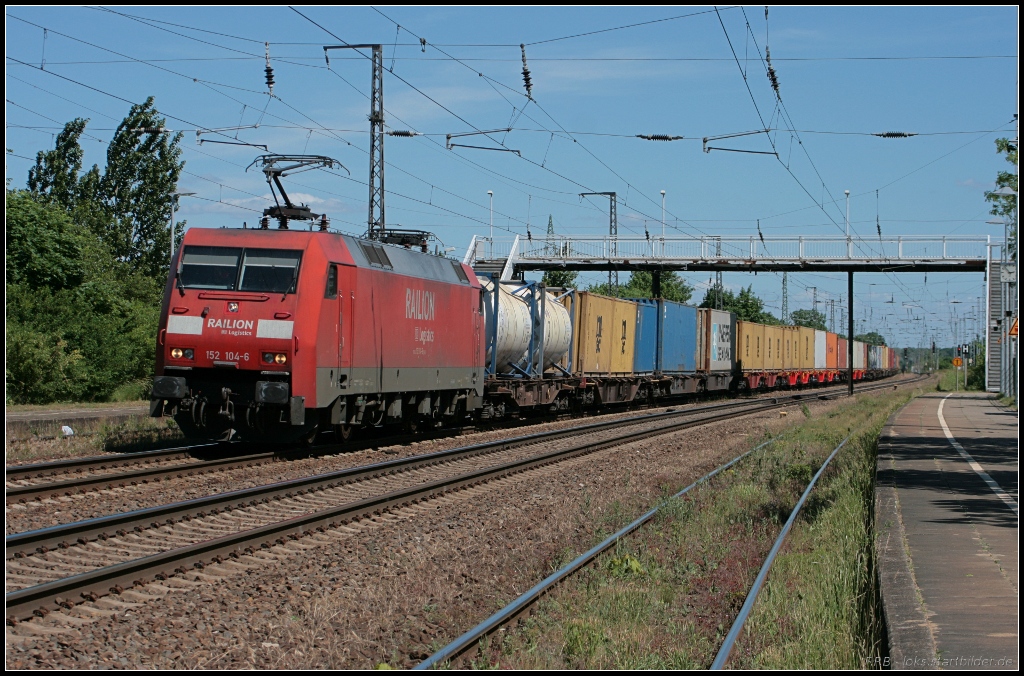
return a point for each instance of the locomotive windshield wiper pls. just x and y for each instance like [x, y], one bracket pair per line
[291, 287]
[177, 282]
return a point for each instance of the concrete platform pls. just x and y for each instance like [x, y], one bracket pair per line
[946, 527]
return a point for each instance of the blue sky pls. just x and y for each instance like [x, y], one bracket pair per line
[859, 70]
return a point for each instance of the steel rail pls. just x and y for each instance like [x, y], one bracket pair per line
[66, 592]
[755, 589]
[101, 481]
[98, 461]
[466, 641]
[80, 485]
[20, 544]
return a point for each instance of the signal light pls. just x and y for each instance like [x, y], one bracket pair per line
[959, 350]
[280, 358]
[176, 352]
[275, 358]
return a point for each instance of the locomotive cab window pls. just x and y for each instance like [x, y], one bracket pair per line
[224, 268]
[332, 282]
[270, 270]
[210, 267]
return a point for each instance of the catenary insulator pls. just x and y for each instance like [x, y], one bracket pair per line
[895, 134]
[404, 133]
[527, 80]
[269, 71]
[658, 137]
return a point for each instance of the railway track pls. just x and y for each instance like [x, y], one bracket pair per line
[79, 476]
[461, 645]
[102, 472]
[109, 554]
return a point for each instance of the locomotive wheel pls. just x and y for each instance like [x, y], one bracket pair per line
[309, 437]
[343, 432]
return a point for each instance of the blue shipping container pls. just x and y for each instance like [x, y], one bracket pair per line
[678, 349]
[645, 358]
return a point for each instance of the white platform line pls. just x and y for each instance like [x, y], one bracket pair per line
[996, 488]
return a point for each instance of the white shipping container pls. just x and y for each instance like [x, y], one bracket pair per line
[820, 350]
[858, 355]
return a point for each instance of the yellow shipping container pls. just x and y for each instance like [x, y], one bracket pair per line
[750, 346]
[790, 357]
[805, 347]
[605, 331]
[773, 341]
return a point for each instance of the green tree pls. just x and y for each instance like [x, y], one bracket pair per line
[810, 318]
[128, 205]
[44, 248]
[872, 338]
[641, 285]
[141, 176]
[565, 279]
[79, 323]
[746, 305]
[55, 176]
[1006, 206]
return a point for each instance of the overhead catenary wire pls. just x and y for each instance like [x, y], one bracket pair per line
[550, 139]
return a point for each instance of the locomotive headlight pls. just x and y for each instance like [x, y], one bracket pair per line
[189, 354]
[176, 353]
[281, 358]
[268, 358]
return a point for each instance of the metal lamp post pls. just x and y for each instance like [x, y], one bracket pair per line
[490, 195]
[174, 203]
[662, 222]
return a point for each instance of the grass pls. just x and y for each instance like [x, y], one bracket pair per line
[45, 441]
[1009, 402]
[73, 406]
[820, 606]
[665, 597]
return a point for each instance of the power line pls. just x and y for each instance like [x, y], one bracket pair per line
[530, 99]
[619, 28]
[470, 59]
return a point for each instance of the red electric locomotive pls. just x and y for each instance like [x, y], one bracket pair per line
[279, 334]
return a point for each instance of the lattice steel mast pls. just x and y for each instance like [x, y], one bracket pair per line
[375, 222]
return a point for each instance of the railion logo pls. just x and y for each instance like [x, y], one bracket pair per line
[243, 324]
[419, 304]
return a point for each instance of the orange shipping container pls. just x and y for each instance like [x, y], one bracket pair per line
[832, 354]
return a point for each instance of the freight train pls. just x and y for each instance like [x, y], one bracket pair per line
[284, 334]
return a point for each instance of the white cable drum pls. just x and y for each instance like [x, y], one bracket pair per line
[513, 325]
[557, 329]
